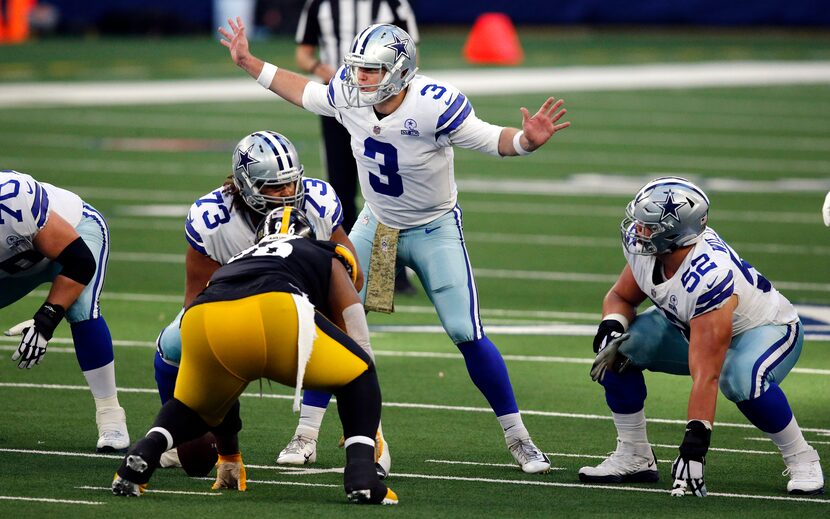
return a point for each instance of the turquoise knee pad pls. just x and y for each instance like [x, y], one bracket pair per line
[169, 341]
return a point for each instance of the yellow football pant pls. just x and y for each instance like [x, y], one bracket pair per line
[227, 344]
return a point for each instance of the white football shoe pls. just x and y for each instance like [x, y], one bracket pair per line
[383, 460]
[630, 463]
[112, 430]
[805, 473]
[528, 456]
[301, 450]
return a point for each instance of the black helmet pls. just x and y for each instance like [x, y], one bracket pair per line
[285, 221]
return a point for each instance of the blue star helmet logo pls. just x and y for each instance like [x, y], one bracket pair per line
[399, 46]
[245, 159]
[669, 207]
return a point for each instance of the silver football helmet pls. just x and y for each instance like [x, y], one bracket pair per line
[380, 46]
[267, 159]
[667, 213]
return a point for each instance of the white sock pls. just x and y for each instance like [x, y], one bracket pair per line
[310, 420]
[790, 440]
[631, 428]
[513, 427]
[101, 381]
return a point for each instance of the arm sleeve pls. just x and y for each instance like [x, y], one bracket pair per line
[308, 28]
[320, 99]
[475, 134]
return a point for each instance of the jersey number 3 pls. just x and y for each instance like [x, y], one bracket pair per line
[388, 182]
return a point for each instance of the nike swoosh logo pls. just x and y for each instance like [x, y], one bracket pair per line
[430, 230]
[30, 188]
[710, 285]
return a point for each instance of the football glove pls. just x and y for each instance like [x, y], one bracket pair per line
[687, 469]
[230, 473]
[36, 334]
[610, 335]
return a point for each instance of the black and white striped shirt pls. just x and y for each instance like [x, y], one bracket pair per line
[331, 25]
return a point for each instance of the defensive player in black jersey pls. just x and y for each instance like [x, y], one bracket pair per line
[277, 310]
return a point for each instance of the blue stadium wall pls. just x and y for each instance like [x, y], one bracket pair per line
[195, 15]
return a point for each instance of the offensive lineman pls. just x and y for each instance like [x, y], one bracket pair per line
[50, 235]
[715, 318]
[403, 128]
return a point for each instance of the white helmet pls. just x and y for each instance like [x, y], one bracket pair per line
[380, 46]
[667, 213]
[267, 159]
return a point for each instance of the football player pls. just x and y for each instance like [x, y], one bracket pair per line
[825, 210]
[50, 235]
[403, 129]
[266, 173]
[715, 318]
[260, 316]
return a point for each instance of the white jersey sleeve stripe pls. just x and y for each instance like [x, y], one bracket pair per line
[459, 106]
[716, 296]
[40, 206]
[194, 238]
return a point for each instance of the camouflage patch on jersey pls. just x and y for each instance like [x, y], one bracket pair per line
[380, 287]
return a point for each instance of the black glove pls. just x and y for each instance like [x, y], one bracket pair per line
[687, 469]
[36, 334]
[608, 330]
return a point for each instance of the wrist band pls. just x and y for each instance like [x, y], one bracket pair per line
[517, 144]
[267, 75]
[620, 318]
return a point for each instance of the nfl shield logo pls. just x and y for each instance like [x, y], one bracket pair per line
[376, 130]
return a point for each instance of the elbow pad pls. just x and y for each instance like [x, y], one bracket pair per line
[77, 262]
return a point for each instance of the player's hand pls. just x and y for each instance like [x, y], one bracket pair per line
[687, 469]
[237, 42]
[825, 210]
[610, 335]
[543, 124]
[36, 333]
[230, 473]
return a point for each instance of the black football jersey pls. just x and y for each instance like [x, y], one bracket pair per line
[290, 264]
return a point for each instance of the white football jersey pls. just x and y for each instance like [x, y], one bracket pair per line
[24, 209]
[405, 160]
[710, 274]
[219, 231]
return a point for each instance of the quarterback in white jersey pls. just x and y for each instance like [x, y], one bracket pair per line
[50, 235]
[715, 318]
[403, 127]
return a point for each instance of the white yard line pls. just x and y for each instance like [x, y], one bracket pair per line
[482, 81]
[51, 500]
[812, 442]
[156, 491]
[405, 405]
[530, 482]
[481, 464]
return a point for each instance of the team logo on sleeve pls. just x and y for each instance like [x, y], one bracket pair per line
[411, 128]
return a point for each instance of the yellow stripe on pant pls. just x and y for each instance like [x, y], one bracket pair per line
[227, 344]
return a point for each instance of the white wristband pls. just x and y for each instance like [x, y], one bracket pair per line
[267, 75]
[517, 144]
[620, 318]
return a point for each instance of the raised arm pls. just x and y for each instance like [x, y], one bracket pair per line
[284, 83]
[536, 130]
